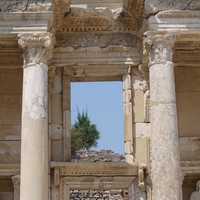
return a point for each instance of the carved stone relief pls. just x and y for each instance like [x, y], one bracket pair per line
[159, 46]
[77, 40]
[24, 5]
[35, 47]
[155, 6]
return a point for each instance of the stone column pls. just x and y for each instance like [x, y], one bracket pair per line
[16, 185]
[34, 135]
[164, 129]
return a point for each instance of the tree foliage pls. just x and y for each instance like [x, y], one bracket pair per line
[84, 134]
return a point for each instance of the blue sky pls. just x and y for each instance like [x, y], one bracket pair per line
[104, 103]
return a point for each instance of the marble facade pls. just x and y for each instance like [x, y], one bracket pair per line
[151, 46]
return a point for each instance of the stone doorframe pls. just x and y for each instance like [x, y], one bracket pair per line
[97, 176]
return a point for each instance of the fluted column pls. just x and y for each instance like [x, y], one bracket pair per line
[164, 129]
[34, 136]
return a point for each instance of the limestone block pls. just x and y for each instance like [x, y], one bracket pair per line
[138, 106]
[56, 131]
[189, 148]
[189, 129]
[56, 109]
[56, 151]
[127, 94]
[6, 195]
[57, 82]
[129, 158]
[142, 151]
[67, 149]
[10, 131]
[128, 131]
[10, 151]
[11, 82]
[187, 79]
[126, 82]
[128, 147]
[139, 83]
[142, 130]
[66, 92]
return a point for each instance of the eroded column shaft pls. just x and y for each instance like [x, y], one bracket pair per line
[164, 128]
[34, 135]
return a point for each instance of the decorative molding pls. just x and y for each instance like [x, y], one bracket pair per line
[95, 169]
[96, 55]
[85, 39]
[155, 6]
[25, 5]
[35, 47]
[79, 19]
[178, 14]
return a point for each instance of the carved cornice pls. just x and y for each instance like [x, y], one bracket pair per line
[25, 5]
[75, 19]
[155, 6]
[178, 14]
[35, 47]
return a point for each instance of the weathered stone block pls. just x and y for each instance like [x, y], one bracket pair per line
[10, 151]
[56, 151]
[142, 130]
[126, 82]
[56, 131]
[189, 148]
[56, 108]
[138, 106]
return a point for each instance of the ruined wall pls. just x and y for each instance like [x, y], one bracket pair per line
[10, 115]
[188, 107]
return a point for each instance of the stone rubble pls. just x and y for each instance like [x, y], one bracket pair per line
[97, 156]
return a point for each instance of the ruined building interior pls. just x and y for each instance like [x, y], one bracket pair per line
[151, 46]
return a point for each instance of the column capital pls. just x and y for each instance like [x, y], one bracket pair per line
[36, 47]
[158, 46]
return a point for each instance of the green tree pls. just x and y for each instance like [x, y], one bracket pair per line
[84, 134]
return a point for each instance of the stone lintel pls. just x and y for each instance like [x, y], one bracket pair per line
[96, 169]
[96, 56]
